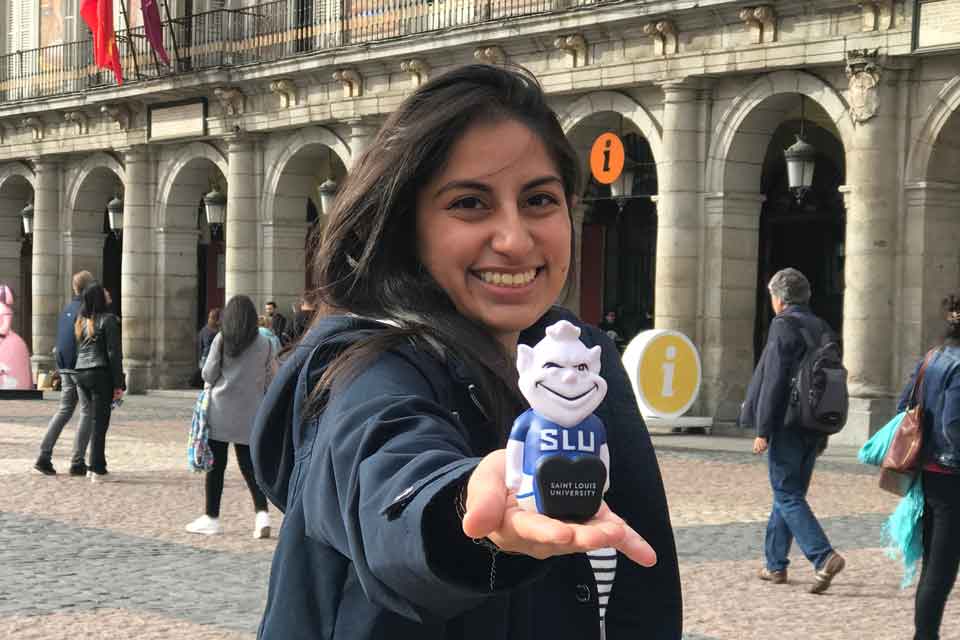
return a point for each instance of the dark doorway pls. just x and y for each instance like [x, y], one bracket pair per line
[311, 243]
[808, 235]
[211, 269]
[112, 263]
[621, 266]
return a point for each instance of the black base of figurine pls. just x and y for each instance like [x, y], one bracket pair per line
[21, 394]
[570, 490]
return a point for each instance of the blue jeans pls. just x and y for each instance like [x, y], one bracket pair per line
[792, 454]
[68, 402]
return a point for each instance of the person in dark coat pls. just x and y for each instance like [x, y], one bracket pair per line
[792, 451]
[278, 321]
[69, 398]
[382, 435]
[99, 370]
[940, 474]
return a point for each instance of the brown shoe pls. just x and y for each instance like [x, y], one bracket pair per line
[834, 565]
[776, 577]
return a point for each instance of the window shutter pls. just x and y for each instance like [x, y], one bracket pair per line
[29, 24]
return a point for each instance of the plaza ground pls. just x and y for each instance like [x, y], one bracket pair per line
[113, 561]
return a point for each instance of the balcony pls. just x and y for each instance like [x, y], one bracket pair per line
[264, 33]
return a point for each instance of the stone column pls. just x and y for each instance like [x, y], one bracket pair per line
[361, 135]
[678, 209]
[283, 262]
[137, 271]
[730, 289]
[871, 202]
[176, 320]
[45, 267]
[242, 233]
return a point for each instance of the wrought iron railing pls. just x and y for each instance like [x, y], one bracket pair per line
[263, 33]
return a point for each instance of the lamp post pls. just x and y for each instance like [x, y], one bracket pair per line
[115, 215]
[27, 215]
[215, 205]
[327, 193]
[621, 189]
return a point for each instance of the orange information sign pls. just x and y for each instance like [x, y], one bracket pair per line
[607, 158]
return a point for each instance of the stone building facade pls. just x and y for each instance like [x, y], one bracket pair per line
[706, 94]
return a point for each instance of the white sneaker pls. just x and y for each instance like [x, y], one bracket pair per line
[205, 525]
[261, 525]
[97, 478]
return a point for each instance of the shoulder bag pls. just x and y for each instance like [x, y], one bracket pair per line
[904, 451]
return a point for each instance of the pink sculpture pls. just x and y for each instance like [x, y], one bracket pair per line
[14, 355]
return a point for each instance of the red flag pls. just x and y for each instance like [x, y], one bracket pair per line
[98, 14]
[154, 28]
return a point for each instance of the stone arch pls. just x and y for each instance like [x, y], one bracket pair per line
[745, 110]
[16, 190]
[188, 154]
[289, 146]
[11, 169]
[934, 122]
[603, 101]
[83, 170]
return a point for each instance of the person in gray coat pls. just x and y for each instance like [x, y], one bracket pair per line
[236, 373]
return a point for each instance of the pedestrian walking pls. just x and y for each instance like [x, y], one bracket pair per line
[383, 436]
[238, 369]
[301, 319]
[66, 358]
[204, 339]
[99, 370]
[940, 475]
[792, 451]
[278, 321]
[264, 326]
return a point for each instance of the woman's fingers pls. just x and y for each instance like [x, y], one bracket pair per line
[636, 548]
[487, 499]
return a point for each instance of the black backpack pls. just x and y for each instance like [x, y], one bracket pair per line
[818, 390]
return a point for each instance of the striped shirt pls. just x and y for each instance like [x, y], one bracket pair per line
[604, 565]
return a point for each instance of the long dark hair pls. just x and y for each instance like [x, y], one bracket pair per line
[238, 324]
[951, 311]
[367, 261]
[93, 302]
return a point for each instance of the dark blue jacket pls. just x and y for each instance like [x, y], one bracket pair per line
[66, 339]
[371, 545]
[768, 394]
[941, 402]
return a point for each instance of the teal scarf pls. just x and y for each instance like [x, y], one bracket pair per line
[902, 533]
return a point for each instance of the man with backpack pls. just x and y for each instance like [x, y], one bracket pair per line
[796, 399]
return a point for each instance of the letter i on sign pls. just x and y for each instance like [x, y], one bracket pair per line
[668, 368]
[606, 156]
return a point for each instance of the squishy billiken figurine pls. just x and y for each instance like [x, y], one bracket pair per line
[14, 355]
[557, 457]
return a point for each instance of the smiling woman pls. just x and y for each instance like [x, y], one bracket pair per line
[383, 437]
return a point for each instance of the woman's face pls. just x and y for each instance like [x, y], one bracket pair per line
[493, 228]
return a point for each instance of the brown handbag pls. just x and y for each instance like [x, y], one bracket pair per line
[904, 450]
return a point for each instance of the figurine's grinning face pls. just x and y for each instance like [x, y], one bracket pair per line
[561, 380]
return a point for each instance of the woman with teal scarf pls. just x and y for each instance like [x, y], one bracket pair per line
[939, 476]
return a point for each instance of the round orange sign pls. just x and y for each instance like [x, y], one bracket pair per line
[606, 158]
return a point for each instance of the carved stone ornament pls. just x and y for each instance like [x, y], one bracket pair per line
[863, 73]
[287, 90]
[232, 100]
[664, 34]
[118, 113]
[576, 47]
[877, 15]
[418, 69]
[351, 80]
[78, 118]
[35, 124]
[762, 22]
[489, 55]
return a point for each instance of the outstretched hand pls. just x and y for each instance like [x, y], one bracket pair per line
[492, 512]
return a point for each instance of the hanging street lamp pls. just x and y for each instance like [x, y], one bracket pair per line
[327, 193]
[27, 215]
[115, 215]
[215, 205]
[801, 159]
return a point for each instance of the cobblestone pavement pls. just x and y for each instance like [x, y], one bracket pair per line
[112, 560]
